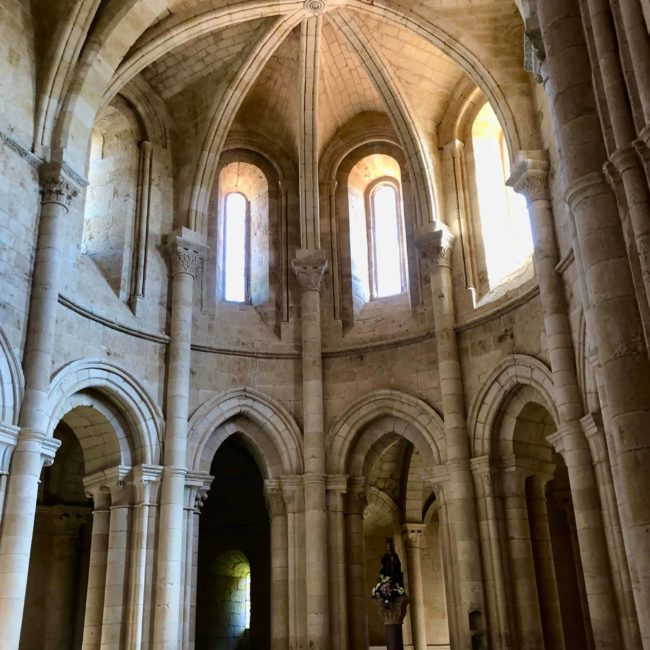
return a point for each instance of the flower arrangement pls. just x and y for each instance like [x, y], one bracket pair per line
[387, 589]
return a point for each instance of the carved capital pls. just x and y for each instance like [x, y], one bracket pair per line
[292, 492]
[309, 266]
[184, 259]
[109, 485]
[592, 426]
[274, 499]
[144, 480]
[58, 184]
[529, 176]
[412, 534]
[485, 474]
[435, 246]
[393, 613]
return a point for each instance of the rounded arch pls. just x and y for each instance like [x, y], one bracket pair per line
[12, 383]
[272, 435]
[354, 436]
[500, 387]
[114, 393]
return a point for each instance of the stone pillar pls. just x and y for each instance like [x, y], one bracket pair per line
[144, 479]
[595, 435]
[522, 568]
[530, 178]
[58, 188]
[279, 565]
[117, 556]
[549, 599]
[357, 591]
[186, 254]
[617, 327]
[293, 493]
[436, 245]
[336, 494]
[412, 539]
[8, 440]
[92, 632]
[309, 267]
[485, 478]
[66, 522]
[141, 228]
[393, 616]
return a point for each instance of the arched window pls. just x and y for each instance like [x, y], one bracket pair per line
[504, 222]
[236, 248]
[386, 241]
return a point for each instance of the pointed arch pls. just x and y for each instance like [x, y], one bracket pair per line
[514, 372]
[120, 398]
[12, 383]
[272, 434]
[352, 440]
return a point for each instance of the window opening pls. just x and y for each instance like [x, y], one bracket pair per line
[236, 248]
[386, 241]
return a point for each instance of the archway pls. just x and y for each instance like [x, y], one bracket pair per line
[234, 558]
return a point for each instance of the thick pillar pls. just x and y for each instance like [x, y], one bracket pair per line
[58, 187]
[279, 565]
[412, 534]
[615, 316]
[186, 253]
[522, 568]
[530, 178]
[500, 620]
[144, 479]
[309, 267]
[336, 494]
[461, 506]
[92, 632]
[358, 595]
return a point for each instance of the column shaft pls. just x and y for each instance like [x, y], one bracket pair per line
[412, 538]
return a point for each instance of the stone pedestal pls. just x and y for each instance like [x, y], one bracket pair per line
[392, 614]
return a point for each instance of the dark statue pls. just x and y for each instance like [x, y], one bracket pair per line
[391, 567]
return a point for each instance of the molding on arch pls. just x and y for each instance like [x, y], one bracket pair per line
[122, 390]
[517, 370]
[12, 382]
[347, 431]
[271, 418]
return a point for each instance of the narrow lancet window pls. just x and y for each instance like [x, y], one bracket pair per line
[386, 240]
[236, 248]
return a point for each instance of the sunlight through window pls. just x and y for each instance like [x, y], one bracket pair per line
[235, 247]
[386, 242]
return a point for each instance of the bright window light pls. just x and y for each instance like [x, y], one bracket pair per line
[385, 224]
[235, 248]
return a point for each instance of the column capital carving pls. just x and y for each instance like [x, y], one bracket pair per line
[274, 499]
[485, 474]
[454, 147]
[412, 534]
[109, 484]
[144, 479]
[592, 427]
[309, 266]
[292, 492]
[185, 252]
[530, 175]
[435, 243]
[59, 184]
[39, 442]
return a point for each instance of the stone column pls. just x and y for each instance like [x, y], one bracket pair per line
[595, 435]
[358, 594]
[485, 478]
[309, 267]
[336, 494]
[522, 568]
[8, 440]
[144, 480]
[549, 599]
[186, 254]
[92, 632]
[141, 228]
[279, 565]
[530, 178]
[293, 493]
[58, 188]
[412, 539]
[117, 556]
[617, 327]
[436, 245]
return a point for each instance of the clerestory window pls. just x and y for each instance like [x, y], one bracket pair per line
[386, 254]
[236, 250]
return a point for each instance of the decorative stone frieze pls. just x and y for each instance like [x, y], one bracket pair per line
[309, 267]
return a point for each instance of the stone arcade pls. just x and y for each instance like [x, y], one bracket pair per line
[279, 280]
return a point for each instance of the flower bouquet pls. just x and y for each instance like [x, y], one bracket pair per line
[387, 590]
